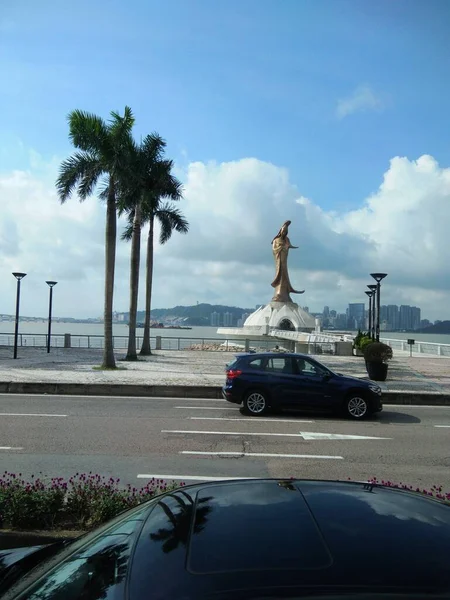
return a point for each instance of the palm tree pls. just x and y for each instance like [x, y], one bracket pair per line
[103, 156]
[152, 178]
[170, 219]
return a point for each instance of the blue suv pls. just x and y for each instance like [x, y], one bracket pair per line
[282, 380]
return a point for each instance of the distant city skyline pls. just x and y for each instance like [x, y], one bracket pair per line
[392, 317]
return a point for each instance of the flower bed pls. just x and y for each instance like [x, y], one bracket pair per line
[82, 502]
[86, 500]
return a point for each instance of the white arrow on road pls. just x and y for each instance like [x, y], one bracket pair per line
[311, 435]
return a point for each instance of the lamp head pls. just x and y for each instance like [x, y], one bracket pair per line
[51, 283]
[378, 276]
[19, 276]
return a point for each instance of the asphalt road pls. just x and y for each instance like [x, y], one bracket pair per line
[138, 438]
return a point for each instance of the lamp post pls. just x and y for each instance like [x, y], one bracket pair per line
[373, 289]
[50, 284]
[378, 277]
[370, 294]
[19, 277]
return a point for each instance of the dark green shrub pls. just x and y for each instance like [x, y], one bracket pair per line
[377, 352]
[365, 341]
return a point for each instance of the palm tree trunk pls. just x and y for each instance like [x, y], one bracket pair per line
[134, 282]
[109, 361]
[145, 349]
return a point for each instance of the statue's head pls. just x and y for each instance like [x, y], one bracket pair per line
[283, 230]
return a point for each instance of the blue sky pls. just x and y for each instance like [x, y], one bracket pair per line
[330, 90]
[227, 80]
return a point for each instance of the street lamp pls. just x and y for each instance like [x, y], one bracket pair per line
[370, 294]
[50, 284]
[19, 277]
[378, 277]
[373, 289]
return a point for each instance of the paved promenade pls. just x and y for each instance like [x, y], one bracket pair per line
[424, 374]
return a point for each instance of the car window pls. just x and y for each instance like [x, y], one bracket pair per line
[95, 574]
[94, 569]
[256, 363]
[308, 368]
[279, 364]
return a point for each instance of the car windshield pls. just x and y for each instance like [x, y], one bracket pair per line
[49, 570]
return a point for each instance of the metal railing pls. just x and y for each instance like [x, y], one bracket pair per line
[39, 340]
[427, 348]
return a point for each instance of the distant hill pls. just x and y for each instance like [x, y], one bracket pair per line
[443, 327]
[198, 314]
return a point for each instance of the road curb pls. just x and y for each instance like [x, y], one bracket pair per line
[185, 391]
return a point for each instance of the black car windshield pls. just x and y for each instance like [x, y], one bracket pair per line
[107, 540]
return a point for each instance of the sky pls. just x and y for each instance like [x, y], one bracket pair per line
[333, 114]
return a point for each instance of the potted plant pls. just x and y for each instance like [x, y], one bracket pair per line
[377, 356]
[360, 340]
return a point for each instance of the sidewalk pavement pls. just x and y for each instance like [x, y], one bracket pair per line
[192, 372]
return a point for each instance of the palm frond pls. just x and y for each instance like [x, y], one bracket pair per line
[119, 126]
[87, 131]
[171, 219]
[152, 149]
[82, 169]
[127, 233]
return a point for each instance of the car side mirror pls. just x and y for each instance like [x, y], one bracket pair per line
[326, 376]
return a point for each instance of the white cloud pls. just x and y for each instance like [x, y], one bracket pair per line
[362, 99]
[234, 210]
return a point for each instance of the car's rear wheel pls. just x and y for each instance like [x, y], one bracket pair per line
[357, 407]
[255, 403]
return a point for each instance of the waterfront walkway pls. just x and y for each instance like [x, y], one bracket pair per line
[417, 375]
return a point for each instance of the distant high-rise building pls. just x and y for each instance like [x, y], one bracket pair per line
[340, 321]
[416, 316]
[326, 311]
[392, 317]
[356, 315]
[409, 317]
[215, 319]
[333, 314]
[227, 319]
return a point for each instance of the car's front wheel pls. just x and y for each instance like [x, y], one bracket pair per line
[255, 403]
[357, 407]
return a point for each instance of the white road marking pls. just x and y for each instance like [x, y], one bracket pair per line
[203, 407]
[311, 435]
[89, 396]
[191, 477]
[388, 406]
[249, 419]
[9, 448]
[264, 454]
[29, 415]
[306, 435]
[228, 433]
[442, 425]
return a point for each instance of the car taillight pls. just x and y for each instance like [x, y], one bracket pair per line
[233, 373]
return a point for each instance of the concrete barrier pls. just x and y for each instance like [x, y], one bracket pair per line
[184, 391]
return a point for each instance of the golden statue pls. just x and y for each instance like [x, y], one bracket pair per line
[280, 246]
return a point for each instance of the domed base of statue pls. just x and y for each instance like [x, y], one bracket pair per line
[281, 315]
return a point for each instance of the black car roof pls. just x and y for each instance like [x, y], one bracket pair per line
[244, 535]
